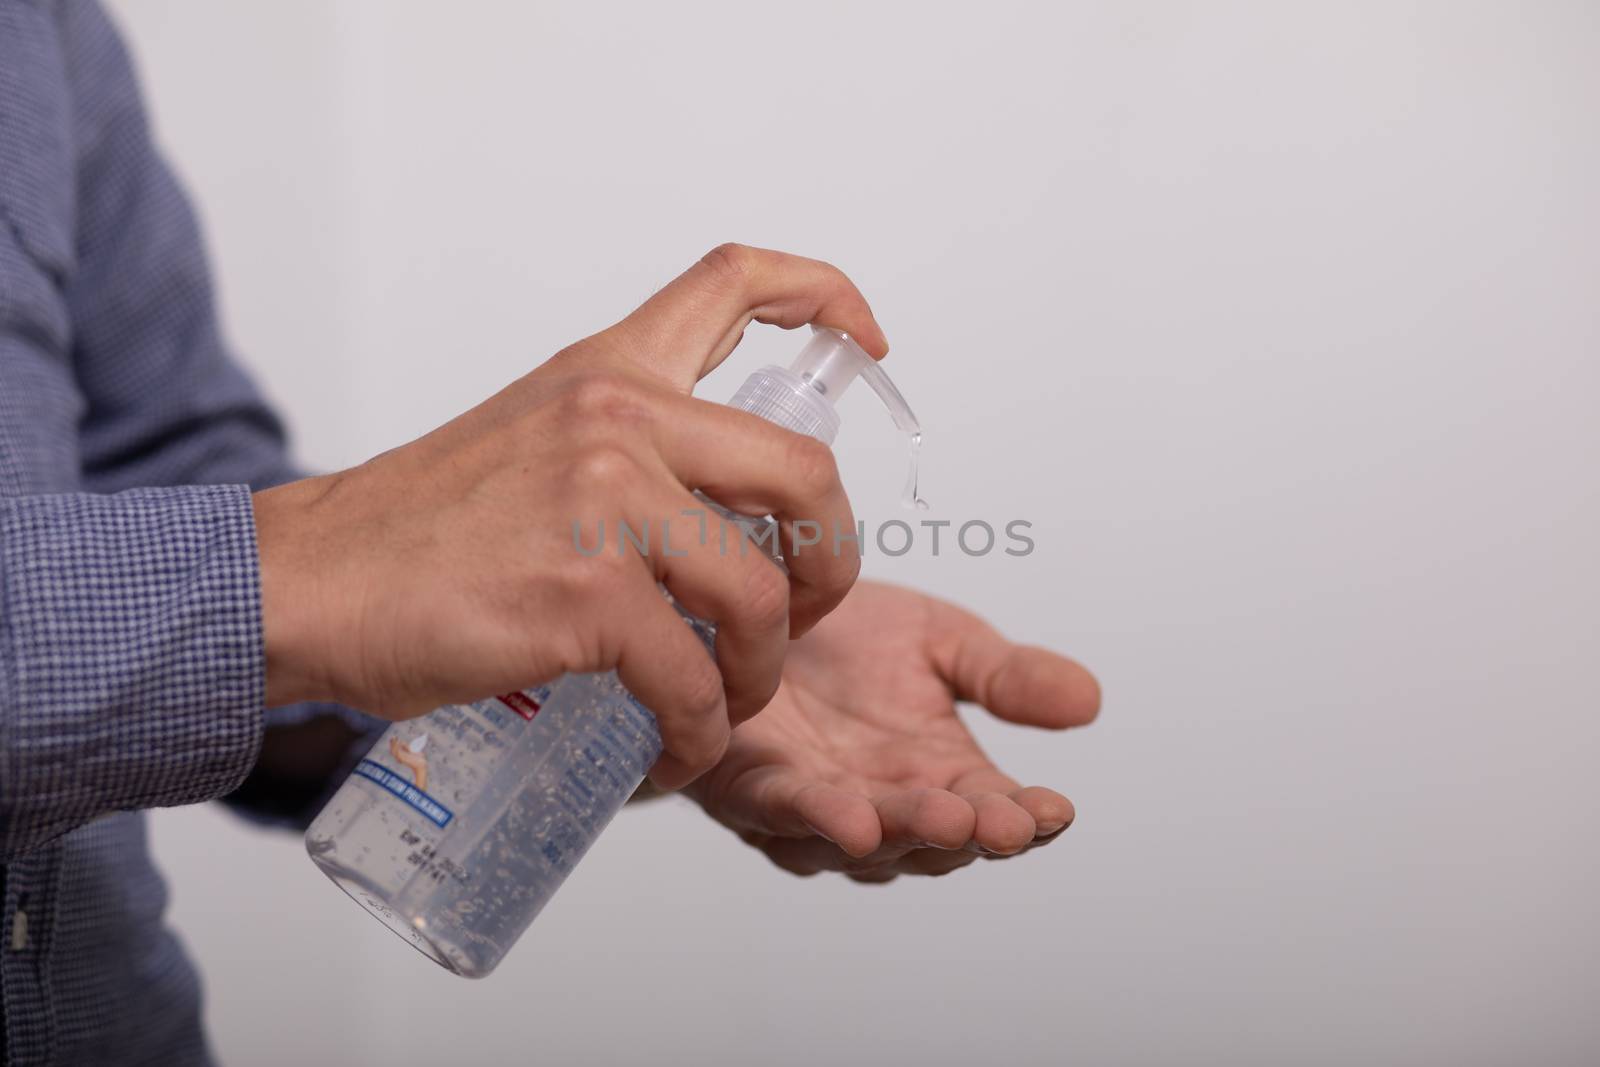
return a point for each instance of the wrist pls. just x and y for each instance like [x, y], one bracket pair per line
[296, 649]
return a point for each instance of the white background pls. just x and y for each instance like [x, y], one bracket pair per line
[1278, 321]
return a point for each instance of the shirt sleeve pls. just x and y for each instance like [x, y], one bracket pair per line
[166, 404]
[131, 663]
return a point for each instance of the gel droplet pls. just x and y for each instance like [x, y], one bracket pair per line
[911, 498]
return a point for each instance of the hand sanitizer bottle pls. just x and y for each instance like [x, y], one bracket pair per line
[458, 826]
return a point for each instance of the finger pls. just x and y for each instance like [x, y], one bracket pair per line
[682, 332]
[910, 820]
[780, 801]
[919, 862]
[811, 856]
[741, 592]
[846, 819]
[985, 779]
[1001, 826]
[1051, 812]
[807, 856]
[752, 467]
[1019, 683]
[664, 665]
[924, 862]
[925, 817]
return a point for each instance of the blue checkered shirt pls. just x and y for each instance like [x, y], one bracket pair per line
[131, 664]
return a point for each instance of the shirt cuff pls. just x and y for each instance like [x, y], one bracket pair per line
[273, 800]
[132, 669]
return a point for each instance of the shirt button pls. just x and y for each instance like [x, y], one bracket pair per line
[19, 931]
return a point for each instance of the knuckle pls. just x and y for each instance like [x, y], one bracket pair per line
[573, 352]
[837, 278]
[606, 396]
[584, 579]
[849, 564]
[846, 569]
[833, 282]
[603, 467]
[765, 603]
[703, 735]
[700, 693]
[812, 467]
[729, 262]
[706, 755]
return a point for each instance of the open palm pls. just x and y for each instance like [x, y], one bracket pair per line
[860, 762]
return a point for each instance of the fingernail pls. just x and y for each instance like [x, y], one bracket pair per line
[1048, 829]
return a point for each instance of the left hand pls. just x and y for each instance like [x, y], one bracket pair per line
[860, 763]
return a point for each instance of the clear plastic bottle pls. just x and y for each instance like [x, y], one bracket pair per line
[459, 826]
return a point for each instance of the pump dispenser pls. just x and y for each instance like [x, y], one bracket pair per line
[801, 396]
[458, 827]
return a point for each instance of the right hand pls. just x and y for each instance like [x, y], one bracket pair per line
[446, 571]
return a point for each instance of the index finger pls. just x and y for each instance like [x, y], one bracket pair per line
[689, 326]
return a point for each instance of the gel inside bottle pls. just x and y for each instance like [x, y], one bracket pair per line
[459, 826]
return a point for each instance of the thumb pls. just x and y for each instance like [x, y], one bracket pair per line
[687, 328]
[1019, 683]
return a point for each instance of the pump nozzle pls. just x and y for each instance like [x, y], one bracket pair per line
[801, 397]
[832, 359]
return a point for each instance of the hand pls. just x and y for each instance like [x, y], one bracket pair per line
[860, 763]
[448, 569]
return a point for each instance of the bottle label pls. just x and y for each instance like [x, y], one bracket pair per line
[373, 771]
[420, 782]
[523, 704]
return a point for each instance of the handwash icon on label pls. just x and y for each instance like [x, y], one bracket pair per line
[410, 756]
